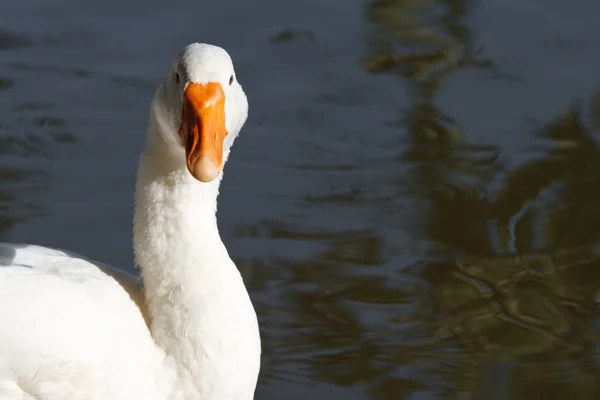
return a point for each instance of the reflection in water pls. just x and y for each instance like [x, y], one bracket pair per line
[293, 35]
[440, 41]
[501, 304]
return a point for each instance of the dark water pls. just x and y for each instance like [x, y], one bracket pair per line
[414, 202]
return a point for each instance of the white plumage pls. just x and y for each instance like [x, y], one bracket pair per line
[75, 329]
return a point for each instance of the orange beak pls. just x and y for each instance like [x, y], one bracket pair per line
[202, 129]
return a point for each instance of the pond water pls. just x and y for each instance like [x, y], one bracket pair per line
[413, 202]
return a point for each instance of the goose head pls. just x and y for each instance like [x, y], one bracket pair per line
[199, 109]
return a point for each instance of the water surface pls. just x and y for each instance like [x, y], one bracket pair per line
[413, 202]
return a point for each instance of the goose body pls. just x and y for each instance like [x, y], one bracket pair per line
[72, 329]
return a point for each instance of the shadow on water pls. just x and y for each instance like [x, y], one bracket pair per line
[499, 302]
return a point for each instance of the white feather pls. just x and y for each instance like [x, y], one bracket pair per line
[75, 329]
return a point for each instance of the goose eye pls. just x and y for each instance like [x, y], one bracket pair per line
[231, 80]
[177, 79]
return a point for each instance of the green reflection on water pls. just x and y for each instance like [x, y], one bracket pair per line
[502, 304]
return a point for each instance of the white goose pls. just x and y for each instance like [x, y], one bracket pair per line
[75, 329]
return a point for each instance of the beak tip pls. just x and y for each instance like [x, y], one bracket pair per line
[205, 169]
